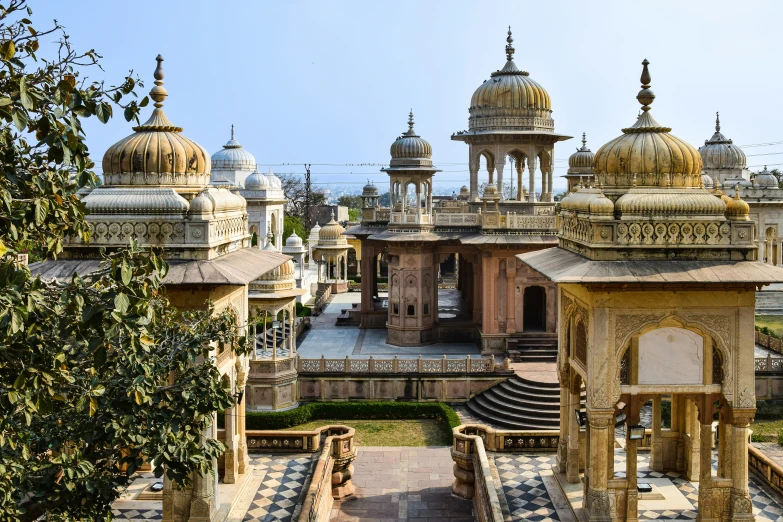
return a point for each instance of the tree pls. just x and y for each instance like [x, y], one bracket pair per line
[385, 199]
[354, 214]
[350, 201]
[293, 224]
[295, 193]
[86, 366]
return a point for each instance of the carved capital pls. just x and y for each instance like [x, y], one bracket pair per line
[600, 418]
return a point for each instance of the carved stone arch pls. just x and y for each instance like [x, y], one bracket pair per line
[517, 154]
[544, 160]
[410, 281]
[580, 339]
[653, 322]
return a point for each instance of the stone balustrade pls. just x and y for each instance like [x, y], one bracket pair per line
[473, 478]
[767, 341]
[769, 364]
[497, 220]
[331, 478]
[766, 469]
[397, 365]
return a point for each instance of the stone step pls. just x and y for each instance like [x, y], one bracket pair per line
[500, 419]
[493, 400]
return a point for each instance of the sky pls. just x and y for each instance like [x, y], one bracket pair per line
[331, 82]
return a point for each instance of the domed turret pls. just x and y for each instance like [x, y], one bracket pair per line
[709, 183]
[257, 181]
[510, 100]
[719, 152]
[331, 233]
[274, 181]
[646, 155]
[157, 153]
[410, 149]
[464, 192]
[581, 161]
[736, 208]
[766, 179]
[369, 190]
[232, 158]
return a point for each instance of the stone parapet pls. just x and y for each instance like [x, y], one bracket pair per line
[766, 469]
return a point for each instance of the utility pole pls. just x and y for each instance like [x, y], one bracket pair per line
[307, 195]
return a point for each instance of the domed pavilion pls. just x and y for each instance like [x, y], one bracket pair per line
[656, 289]
[511, 115]
[232, 164]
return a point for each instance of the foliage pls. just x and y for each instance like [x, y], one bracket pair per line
[293, 224]
[350, 201]
[303, 311]
[771, 325]
[389, 410]
[385, 199]
[780, 437]
[295, 193]
[86, 365]
[769, 409]
[354, 214]
[757, 437]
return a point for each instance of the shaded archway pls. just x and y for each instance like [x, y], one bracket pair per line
[534, 309]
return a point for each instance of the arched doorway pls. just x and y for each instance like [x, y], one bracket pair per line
[534, 309]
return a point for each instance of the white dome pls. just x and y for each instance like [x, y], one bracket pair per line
[274, 181]
[766, 179]
[708, 182]
[293, 240]
[233, 157]
[257, 181]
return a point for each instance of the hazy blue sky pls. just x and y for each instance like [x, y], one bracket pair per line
[332, 81]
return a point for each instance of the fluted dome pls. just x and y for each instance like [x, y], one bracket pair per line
[276, 280]
[491, 191]
[257, 181]
[233, 157]
[410, 149]
[668, 203]
[646, 155]
[293, 240]
[719, 152]
[736, 208]
[369, 190]
[708, 181]
[157, 153]
[581, 161]
[766, 179]
[510, 100]
[331, 232]
[464, 190]
[274, 181]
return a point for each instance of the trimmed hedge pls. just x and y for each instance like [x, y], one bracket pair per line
[347, 411]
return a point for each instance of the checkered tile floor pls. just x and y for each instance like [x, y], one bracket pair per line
[528, 500]
[135, 514]
[279, 491]
[525, 492]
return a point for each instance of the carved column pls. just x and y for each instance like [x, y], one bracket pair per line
[708, 511]
[511, 274]
[499, 165]
[597, 505]
[549, 182]
[574, 403]
[474, 168]
[565, 420]
[520, 169]
[532, 163]
[656, 453]
[741, 507]
[243, 458]
[693, 452]
[230, 456]
[632, 509]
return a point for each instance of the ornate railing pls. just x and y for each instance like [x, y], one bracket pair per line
[397, 365]
[473, 476]
[766, 468]
[497, 220]
[767, 341]
[769, 364]
[331, 478]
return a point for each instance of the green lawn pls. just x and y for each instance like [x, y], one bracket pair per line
[768, 429]
[773, 322]
[418, 432]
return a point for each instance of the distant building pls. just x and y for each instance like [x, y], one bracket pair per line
[323, 214]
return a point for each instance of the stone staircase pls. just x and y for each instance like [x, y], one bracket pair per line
[346, 318]
[519, 404]
[534, 347]
[270, 332]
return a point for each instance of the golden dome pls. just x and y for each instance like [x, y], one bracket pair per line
[602, 206]
[646, 155]
[157, 153]
[276, 280]
[736, 208]
[511, 100]
[410, 149]
[581, 161]
[331, 232]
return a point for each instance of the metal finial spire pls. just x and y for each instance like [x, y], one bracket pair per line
[584, 140]
[410, 120]
[645, 96]
[717, 122]
[232, 131]
[509, 47]
[159, 93]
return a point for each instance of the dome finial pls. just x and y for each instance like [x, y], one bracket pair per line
[232, 131]
[645, 96]
[584, 140]
[509, 47]
[159, 93]
[717, 122]
[410, 120]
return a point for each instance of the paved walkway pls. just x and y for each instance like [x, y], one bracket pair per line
[772, 450]
[403, 484]
[337, 342]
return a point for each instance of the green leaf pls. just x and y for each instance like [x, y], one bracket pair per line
[144, 102]
[139, 397]
[126, 272]
[103, 112]
[121, 303]
[7, 50]
[93, 406]
[27, 101]
[3, 249]
[40, 211]
[146, 340]
[98, 390]
[20, 119]
[5, 101]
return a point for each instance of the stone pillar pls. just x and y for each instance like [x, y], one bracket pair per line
[656, 452]
[230, 456]
[499, 165]
[565, 421]
[741, 507]
[706, 499]
[549, 183]
[693, 457]
[532, 163]
[632, 502]
[597, 505]
[520, 169]
[366, 304]
[477, 291]
[243, 457]
[511, 274]
[474, 168]
[574, 403]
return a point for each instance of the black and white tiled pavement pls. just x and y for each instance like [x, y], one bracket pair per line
[526, 495]
[280, 488]
[136, 514]
[528, 499]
